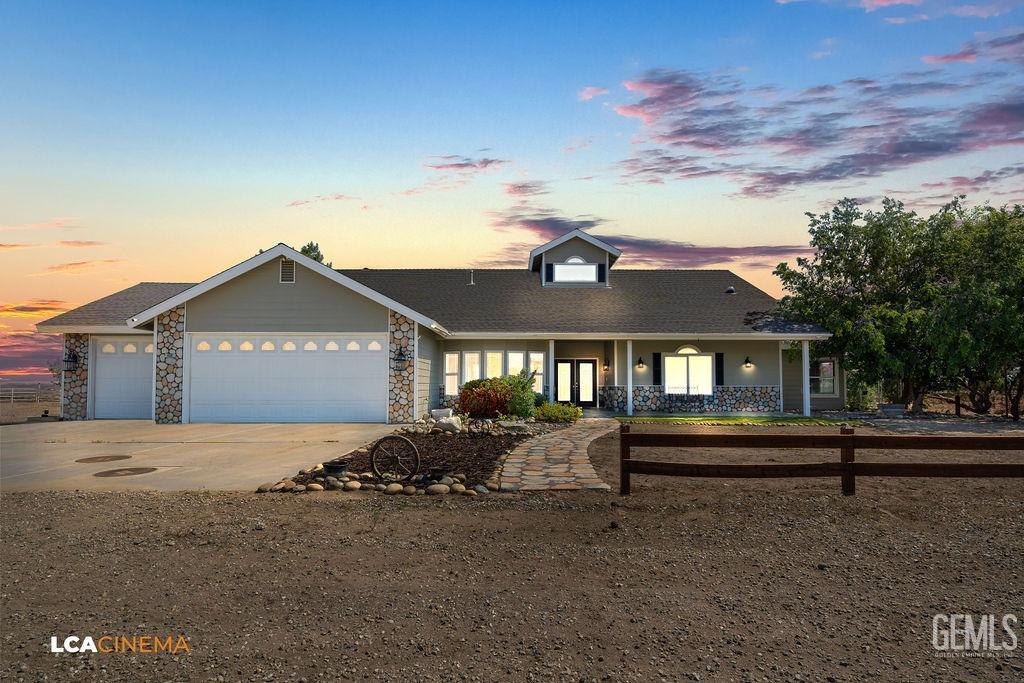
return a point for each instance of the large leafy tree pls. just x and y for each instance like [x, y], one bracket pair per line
[869, 283]
[979, 322]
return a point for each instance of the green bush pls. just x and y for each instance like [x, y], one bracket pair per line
[539, 400]
[558, 412]
[521, 401]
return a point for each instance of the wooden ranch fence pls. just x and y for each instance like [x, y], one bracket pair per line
[846, 442]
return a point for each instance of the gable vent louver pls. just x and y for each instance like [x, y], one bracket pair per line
[287, 271]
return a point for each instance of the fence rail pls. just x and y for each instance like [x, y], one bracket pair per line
[847, 441]
[29, 393]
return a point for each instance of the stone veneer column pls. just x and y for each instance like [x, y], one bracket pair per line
[76, 382]
[401, 385]
[170, 364]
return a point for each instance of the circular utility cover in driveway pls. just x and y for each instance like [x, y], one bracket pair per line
[104, 458]
[125, 472]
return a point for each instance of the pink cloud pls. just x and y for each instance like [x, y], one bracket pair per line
[335, 197]
[590, 92]
[872, 5]
[26, 355]
[455, 171]
[966, 55]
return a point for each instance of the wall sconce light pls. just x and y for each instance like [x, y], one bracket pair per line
[605, 367]
[400, 355]
[640, 363]
[70, 361]
[747, 363]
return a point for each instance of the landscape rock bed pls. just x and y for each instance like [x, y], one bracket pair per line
[469, 454]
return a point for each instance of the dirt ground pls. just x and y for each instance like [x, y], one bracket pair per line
[735, 580]
[14, 413]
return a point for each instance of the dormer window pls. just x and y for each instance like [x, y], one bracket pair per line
[575, 270]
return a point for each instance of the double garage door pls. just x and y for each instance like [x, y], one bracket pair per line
[287, 378]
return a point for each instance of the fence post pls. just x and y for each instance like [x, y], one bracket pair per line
[958, 404]
[623, 457]
[846, 455]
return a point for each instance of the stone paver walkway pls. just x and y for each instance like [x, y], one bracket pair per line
[557, 461]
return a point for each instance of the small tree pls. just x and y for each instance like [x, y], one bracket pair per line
[312, 250]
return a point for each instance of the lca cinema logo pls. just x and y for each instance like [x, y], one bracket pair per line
[121, 644]
[974, 635]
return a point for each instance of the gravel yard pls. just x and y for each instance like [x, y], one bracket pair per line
[684, 580]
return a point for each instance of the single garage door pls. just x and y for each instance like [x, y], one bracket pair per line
[123, 385]
[288, 378]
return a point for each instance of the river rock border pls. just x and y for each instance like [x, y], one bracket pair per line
[170, 363]
[76, 382]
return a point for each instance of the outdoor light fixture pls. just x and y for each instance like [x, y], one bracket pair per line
[747, 363]
[70, 361]
[605, 368]
[400, 355]
[640, 363]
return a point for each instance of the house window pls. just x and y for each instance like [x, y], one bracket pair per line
[492, 363]
[451, 374]
[129, 348]
[823, 377]
[352, 346]
[470, 366]
[516, 362]
[224, 346]
[689, 372]
[149, 348]
[575, 269]
[203, 346]
[267, 346]
[245, 346]
[374, 346]
[288, 346]
[537, 367]
[309, 346]
[331, 346]
[108, 348]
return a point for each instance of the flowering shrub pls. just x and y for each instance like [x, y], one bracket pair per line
[484, 398]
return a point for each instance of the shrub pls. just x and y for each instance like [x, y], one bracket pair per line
[539, 400]
[558, 412]
[521, 401]
[484, 398]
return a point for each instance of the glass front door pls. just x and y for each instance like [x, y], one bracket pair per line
[576, 382]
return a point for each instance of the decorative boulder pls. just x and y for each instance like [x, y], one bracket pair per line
[449, 424]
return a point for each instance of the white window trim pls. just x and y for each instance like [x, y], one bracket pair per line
[835, 378]
[542, 374]
[574, 280]
[664, 372]
[457, 374]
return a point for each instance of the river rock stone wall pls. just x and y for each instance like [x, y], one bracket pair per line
[76, 382]
[401, 385]
[170, 364]
[725, 399]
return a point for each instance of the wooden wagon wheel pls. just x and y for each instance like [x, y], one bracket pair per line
[394, 458]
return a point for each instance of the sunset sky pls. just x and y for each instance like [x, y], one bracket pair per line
[146, 141]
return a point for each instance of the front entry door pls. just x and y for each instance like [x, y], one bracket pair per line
[576, 382]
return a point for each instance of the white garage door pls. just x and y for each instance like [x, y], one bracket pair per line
[288, 378]
[123, 385]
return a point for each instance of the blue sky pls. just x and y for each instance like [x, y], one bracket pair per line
[166, 141]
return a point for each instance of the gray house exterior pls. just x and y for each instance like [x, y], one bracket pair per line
[282, 338]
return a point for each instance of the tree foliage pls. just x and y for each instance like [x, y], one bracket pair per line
[312, 250]
[915, 303]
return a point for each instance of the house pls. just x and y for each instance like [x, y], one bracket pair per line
[282, 338]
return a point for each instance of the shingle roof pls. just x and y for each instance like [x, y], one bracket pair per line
[119, 306]
[513, 301]
[651, 301]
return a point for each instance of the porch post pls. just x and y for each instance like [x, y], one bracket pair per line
[805, 347]
[551, 370]
[782, 405]
[629, 377]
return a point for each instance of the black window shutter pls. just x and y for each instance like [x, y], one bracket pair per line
[656, 363]
[600, 272]
[719, 369]
[549, 272]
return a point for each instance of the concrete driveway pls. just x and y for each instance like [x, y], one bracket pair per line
[46, 456]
